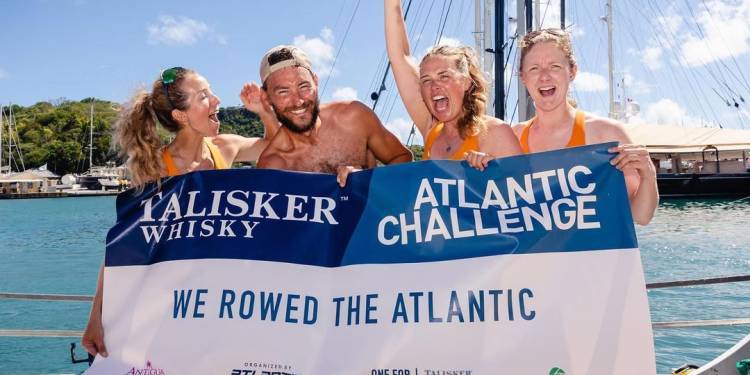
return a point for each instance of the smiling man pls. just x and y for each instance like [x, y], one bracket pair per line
[318, 137]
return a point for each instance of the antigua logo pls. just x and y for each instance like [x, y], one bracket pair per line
[556, 371]
[148, 370]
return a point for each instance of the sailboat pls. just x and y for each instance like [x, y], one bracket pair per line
[12, 141]
[100, 177]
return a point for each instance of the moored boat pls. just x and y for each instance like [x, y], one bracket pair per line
[697, 162]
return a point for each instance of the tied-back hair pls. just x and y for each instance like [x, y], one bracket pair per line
[475, 98]
[552, 35]
[136, 127]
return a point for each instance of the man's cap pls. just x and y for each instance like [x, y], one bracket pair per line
[281, 57]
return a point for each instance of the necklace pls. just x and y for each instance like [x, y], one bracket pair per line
[448, 148]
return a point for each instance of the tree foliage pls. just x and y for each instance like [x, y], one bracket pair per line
[418, 151]
[57, 133]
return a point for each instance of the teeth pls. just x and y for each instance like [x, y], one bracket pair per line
[438, 97]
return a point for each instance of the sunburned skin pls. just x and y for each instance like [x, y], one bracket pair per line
[329, 150]
[337, 137]
[336, 141]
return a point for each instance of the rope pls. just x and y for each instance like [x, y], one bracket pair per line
[388, 66]
[713, 280]
[656, 285]
[656, 325]
[700, 323]
[39, 333]
[341, 46]
[46, 297]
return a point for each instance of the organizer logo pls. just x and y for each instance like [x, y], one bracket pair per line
[556, 371]
[148, 370]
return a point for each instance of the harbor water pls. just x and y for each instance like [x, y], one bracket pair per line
[56, 246]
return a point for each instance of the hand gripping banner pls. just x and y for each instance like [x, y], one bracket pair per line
[427, 268]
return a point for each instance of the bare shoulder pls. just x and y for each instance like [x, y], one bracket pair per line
[603, 129]
[497, 128]
[345, 108]
[280, 142]
[499, 139]
[518, 129]
[272, 156]
[350, 114]
[495, 122]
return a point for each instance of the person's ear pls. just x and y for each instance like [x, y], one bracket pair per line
[179, 116]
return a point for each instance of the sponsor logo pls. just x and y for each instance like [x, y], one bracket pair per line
[263, 368]
[148, 370]
[417, 371]
[556, 371]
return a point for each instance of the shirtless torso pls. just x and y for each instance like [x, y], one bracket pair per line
[346, 134]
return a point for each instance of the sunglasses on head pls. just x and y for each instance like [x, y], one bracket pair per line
[168, 76]
[552, 31]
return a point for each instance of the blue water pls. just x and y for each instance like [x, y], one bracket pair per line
[57, 245]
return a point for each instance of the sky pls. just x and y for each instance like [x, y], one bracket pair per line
[678, 61]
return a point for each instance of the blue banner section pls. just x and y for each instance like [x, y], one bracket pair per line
[558, 201]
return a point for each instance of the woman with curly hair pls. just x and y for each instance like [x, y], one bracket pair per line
[445, 96]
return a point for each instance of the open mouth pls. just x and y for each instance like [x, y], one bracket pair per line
[440, 102]
[214, 117]
[547, 91]
[298, 111]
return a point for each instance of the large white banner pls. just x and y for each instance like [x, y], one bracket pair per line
[432, 268]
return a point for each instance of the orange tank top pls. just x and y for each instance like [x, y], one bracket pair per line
[469, 144]
[219, 162]
[577, 136]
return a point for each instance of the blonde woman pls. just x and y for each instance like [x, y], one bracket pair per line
[445, 96]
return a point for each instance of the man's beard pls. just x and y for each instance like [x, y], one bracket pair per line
[289, 124]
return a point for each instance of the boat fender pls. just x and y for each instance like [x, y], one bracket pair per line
[685, 369]
[743, 366]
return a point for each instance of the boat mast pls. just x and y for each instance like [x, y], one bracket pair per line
[499, 58]
[10, 137]
[488, 53]
[91, 137]
[562, 14]
[608, 18]
[17, 140]
[478, 33]
[523, 22]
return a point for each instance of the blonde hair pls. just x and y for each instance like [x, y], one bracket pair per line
[557, 36]
[475, 98]
[136, 131]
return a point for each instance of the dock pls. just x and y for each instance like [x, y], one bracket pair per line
[60, 194]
